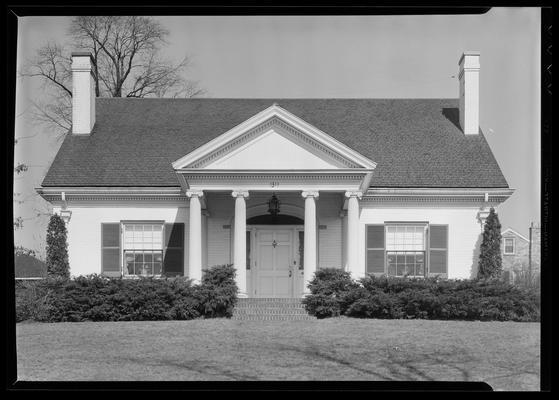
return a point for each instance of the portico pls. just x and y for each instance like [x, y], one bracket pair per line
[274, 152]
[275, 257]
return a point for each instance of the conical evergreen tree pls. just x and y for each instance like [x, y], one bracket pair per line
[490, 260]
[57, 248]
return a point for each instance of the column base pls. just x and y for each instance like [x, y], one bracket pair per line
[242, 295]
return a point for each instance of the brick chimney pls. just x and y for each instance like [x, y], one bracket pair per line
[469, 92]
[83, 93]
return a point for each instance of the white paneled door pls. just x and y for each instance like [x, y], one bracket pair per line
[276, 266]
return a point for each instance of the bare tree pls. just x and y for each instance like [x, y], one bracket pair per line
[127, 64]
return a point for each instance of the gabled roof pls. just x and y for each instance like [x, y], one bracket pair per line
[272, 117]
[415, 142]
[515, 233]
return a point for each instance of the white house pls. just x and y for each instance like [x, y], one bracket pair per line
[277, 187]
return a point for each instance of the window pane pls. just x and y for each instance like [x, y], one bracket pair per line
[419, 269]
[410, 269]
[141, 237]
[157, 268]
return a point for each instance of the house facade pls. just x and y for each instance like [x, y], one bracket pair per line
[276, 187]
[515, 249]
[520, 254]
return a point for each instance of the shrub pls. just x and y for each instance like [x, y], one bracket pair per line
[333, 294]
[218, 292]
[57, 248]
[98, 298]
[375, 305]
[490, 260]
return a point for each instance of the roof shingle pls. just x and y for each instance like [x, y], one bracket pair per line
[415, 142]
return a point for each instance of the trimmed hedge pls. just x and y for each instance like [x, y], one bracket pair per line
[334, 293]
[98, 298]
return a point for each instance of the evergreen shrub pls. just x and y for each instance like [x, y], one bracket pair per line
[334, 293]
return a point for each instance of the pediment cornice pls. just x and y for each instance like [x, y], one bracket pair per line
[289, 125]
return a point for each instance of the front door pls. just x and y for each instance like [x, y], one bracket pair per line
[275, 263]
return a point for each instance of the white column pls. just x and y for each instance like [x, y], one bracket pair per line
[310, 238]
[353, 234]
[195, 236]
[343, 216]
[239, 241]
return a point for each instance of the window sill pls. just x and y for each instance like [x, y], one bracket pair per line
[141, 276]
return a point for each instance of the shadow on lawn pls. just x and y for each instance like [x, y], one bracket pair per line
[207, 370]
[392, 365]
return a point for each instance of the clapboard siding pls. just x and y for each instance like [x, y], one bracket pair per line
[329, 244]
[219, 248]
[84, 229]
[464, 232]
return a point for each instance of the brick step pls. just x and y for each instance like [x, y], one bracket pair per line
[269, 302]
[270, 311]
[270, 299]
[273, 317]
[271, 305]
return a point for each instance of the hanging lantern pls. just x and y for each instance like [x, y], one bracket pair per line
[274, 205]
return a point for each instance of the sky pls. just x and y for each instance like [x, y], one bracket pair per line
[331, 57]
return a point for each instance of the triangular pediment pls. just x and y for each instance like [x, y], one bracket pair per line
[274, 139]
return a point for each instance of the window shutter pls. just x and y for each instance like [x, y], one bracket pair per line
[110, 249]
[375, 249]
[173, 252]
[438, 250]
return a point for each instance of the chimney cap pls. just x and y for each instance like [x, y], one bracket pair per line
[468, 53]
[83, 54]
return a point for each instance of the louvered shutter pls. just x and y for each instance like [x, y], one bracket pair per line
[438, 250]
[375, 249]
[110, 249]
[173, 251]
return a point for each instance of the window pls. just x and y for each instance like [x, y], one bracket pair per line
[509, 245]
[143, 249]
[414, 249]
[405, 250]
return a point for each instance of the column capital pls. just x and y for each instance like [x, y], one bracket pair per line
[310, 193]
[354, 193]
[240, 193]
[195, 193]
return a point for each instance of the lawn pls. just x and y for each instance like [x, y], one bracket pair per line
[506, 355]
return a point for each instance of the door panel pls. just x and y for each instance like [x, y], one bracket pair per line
[266, 255]
[274, 271]
[283, 257]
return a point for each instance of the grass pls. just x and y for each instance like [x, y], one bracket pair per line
[506, 355]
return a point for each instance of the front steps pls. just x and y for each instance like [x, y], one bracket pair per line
[270, 309]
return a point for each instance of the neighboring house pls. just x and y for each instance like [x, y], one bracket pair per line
[519, 253]
[277, 187]
[515, 250]
[29, 267]
[535, 247]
